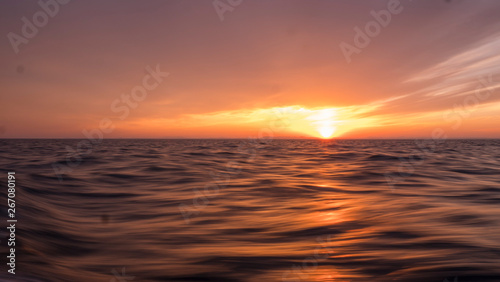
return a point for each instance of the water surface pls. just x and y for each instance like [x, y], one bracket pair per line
[239, 210]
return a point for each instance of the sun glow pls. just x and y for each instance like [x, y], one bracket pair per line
[289, 121]
[326, 131]
[323, 121]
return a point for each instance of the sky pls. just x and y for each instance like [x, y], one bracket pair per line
[243, 68]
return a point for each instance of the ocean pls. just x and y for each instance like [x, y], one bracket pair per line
[253, 210]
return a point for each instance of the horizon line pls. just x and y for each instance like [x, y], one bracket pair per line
[244, 138]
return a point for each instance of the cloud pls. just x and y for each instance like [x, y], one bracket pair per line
[457, 75]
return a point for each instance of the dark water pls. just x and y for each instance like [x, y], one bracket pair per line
[234, 210]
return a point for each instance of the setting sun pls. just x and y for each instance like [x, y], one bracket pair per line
[293, 120]
[326, 131]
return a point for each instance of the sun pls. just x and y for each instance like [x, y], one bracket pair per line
[326, 131]
[324, 123]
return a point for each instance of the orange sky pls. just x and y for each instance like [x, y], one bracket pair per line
[273, 67]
